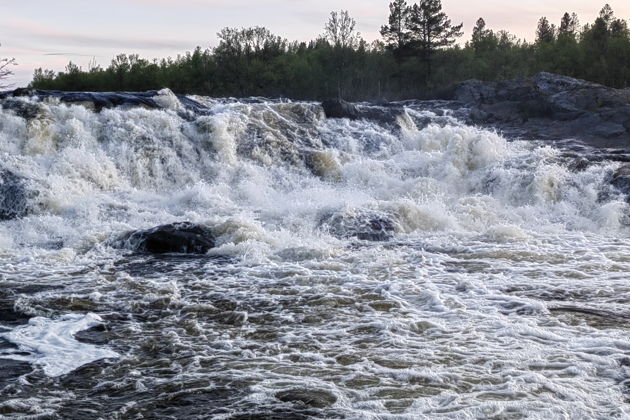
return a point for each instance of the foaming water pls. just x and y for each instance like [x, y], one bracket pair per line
[52, 345]
[362, 269]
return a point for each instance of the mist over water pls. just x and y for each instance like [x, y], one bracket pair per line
[496, 286]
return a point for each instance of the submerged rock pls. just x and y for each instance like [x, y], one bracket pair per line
[366, 225]
[311, 397]
[14, 196]
[182, 238]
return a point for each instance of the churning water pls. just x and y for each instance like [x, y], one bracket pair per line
[497, 286]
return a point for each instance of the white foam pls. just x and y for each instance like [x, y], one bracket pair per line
[482, 226]
[52, 343]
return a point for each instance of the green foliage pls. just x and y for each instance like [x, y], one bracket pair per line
[418, 50]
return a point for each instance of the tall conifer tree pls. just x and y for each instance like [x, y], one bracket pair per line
[431, 30]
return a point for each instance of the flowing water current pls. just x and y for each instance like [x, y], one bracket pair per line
[498, 289]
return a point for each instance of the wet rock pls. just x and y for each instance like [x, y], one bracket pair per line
[366, 225]
[99, 334]
[381, 113]
[338, 108]
[550, 106]
[102, 100]
[14, 196]
[310, 397]
[579, 165]
[25, 109]
[183, 238]
[621, 180]
[9, 316]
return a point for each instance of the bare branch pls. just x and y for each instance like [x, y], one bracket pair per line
[5, 70]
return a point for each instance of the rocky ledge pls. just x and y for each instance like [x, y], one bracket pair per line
[543, 107]
[549, 107]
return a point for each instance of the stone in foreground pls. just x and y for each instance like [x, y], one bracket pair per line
[179, 238]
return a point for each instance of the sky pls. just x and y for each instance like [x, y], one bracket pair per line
[49, 33]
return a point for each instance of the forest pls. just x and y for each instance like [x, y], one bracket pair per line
[420, 51]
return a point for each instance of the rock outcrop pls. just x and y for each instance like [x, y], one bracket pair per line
[98, 101]
[549, 106]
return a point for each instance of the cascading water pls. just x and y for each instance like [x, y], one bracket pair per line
[361, 269]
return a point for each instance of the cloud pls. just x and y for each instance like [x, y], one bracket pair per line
[39, 32]
[67, 54]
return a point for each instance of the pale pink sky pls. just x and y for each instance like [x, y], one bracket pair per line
[49, 33]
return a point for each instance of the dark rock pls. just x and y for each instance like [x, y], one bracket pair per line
[103, 100]
[361, 224]
[183, 238]
[14, 196]
[338, 108]
[385, 114]
[9, 316]
[310, 397]
[97, 334]
[25, 109]
[550, 106]
[621, 180]
[479, 116]
[579, 165]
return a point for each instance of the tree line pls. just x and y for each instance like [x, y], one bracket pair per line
[418, 53]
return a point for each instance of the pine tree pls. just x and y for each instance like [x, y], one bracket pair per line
[607, 15]
[545, 32]
[396, 34]
[431, 30]
[569, 24]
[480, 34]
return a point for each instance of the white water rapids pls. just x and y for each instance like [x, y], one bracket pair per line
[502, 291]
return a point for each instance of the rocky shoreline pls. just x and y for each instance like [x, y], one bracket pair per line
[543, 107]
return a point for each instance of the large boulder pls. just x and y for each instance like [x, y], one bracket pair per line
[14, 196]
[338, 108]
[181, 238]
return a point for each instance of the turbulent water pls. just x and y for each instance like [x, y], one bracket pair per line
[498, 290]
